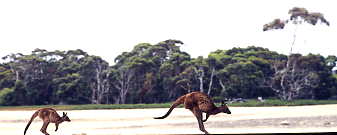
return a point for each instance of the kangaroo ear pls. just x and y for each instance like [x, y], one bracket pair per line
[64, 114]
[222, 103]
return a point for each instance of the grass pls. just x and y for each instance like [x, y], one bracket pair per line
[88, 106]
[249, 103]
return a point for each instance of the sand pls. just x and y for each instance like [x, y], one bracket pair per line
[298, 119]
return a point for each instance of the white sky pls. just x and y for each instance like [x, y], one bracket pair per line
[107, 28]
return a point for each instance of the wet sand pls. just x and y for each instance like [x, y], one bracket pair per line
[299, 119]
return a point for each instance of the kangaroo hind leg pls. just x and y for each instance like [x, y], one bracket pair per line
[44, 128]
[198, 114]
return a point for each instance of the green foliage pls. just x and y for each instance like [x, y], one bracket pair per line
[334, 76]
[149, 73]
[298, 15]
[240, 78]
[6, 77]
[5, 95]
[164, 61]
[243, 71]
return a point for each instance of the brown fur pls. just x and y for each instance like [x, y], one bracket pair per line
[48, 115]
[198, 103]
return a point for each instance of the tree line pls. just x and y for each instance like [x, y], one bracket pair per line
[160, 73]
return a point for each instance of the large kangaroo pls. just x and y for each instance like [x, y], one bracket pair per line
[48, 115]
[198, 103]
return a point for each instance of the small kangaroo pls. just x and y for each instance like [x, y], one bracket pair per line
[48, 115]
[198, 102]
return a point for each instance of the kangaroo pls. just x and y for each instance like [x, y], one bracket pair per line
[198, 102]
[48, 115]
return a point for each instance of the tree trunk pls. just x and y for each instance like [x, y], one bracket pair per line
[200, 75]
[211, 82]
[222, 86]
[124, 82]
[201, 84]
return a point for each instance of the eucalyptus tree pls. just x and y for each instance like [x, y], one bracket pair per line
[175, 62]
[34, 74]
[137, 72]
[186, 79]
[12, 61]
[331, 61]
[7, 77]
[243, 72]
[130, 72]
[289, 76]
[122, 75]
[171, 71]
[96, 72]
[199, 67]
[7, 83]
[71, 87]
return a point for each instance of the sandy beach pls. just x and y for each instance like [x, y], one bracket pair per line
[296, 119]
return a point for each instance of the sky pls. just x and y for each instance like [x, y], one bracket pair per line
[107, 28]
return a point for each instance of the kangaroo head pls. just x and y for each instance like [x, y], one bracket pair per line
[65, 117]
[224, 108]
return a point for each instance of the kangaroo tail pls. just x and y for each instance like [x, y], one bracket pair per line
[31, 119]
[179, 101]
